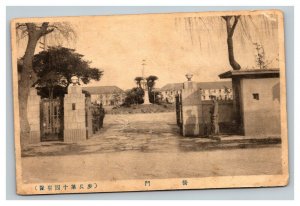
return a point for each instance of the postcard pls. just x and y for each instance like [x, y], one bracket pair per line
[146, 102]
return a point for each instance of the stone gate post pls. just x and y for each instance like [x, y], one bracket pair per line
[74, 115]
[191, 108]
[33, 115]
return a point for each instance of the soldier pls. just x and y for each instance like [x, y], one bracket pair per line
[96, 114]
[215, 118]
[101, 116]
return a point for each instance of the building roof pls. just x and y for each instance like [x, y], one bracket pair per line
[103, 89]
[201, 85]
[156, 89]
[172, 86]
[250, 73]
[215, 85]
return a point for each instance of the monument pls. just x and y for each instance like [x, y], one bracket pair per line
[144, 84]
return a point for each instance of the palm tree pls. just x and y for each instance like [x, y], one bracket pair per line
[150, 85]
[138, 81]
[151, 82]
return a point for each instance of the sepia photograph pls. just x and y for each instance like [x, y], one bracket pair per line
[143, 102]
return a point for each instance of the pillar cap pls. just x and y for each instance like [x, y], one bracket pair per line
[189, 76]
[75, 80]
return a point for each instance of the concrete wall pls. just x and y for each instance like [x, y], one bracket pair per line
[33, 114]
[261, 116]
[74, 115]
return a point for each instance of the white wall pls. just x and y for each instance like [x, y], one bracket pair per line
[262, 116]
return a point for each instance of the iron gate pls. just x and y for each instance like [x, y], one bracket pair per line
[52, 119]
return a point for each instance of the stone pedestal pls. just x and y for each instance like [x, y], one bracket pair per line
[146, 97]
[74, 115]
[33, 115]
[191, 110]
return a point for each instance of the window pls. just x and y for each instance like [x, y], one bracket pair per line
[73, 106]
[255, 96]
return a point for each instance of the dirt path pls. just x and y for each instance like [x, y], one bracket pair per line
[138, 165]
[156, 132]
[139, 146]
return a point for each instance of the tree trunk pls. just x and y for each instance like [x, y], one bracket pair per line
[27, 78]
[230, 31]
[232, 61]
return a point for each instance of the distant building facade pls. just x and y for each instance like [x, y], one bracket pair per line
[107, 95]
[221, 90]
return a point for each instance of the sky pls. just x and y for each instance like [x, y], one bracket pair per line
[172, 45]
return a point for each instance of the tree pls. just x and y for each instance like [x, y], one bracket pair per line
[55, 67]
[116, 98]
[138, 81]
[260, 56]
[33, 32]
[230, 28]
[155, 97]
[134, 96]
[150, 85]
[151, 82]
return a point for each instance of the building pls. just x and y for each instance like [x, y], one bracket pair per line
[107, 95]
[222, 90]
[256, 100]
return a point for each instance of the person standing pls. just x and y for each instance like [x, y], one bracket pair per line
[101, 115]
[215, 118]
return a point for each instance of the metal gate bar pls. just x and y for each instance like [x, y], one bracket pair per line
[51, 119]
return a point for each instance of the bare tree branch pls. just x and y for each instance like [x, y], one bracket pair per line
[236, 20]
